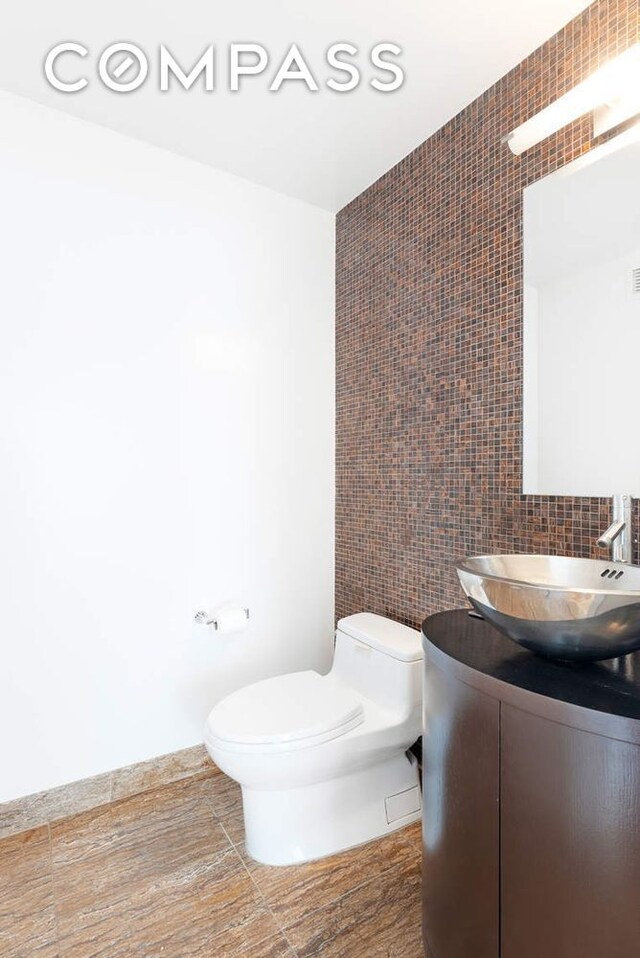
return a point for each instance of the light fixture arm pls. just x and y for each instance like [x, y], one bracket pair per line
[612, 94]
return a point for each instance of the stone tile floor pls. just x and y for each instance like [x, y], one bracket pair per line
[165, 875]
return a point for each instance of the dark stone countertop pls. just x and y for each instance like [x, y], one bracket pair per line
[611, 686]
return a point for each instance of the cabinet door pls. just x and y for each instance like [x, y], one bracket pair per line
[461, 832]
[570, 829]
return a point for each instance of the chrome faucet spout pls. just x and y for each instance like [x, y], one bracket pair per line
[618, 536]
[607, 538]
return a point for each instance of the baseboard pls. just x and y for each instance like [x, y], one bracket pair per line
[22, 814]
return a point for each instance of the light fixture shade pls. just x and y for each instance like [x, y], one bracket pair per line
[613, 88]
[612, 115]
[630, 137]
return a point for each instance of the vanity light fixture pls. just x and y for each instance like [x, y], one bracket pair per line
[612, 93]
[628, 137]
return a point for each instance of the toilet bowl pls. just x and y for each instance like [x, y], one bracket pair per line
[323, 760]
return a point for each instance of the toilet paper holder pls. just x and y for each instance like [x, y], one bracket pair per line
[203, 618]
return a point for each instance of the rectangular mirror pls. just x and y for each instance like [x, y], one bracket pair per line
[582, 326]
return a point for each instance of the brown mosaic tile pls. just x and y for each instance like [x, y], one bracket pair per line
[429, 344]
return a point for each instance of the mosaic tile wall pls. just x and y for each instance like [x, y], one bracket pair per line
[429, 342]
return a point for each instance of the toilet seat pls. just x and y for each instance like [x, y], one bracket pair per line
[287, 712]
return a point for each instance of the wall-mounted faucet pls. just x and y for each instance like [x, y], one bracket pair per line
[619, 537]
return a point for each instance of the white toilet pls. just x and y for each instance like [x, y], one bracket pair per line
[323, 760]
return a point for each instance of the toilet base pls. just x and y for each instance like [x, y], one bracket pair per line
[301, 824]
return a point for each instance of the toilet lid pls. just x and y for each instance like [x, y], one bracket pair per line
[302, 706]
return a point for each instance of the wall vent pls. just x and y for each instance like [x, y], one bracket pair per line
[635, 281]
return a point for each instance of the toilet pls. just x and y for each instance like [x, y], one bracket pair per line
[323, 760]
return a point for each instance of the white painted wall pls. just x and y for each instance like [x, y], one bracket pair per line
[587, 372]
[166, 442]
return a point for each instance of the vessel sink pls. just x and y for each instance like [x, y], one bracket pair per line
[563, 608]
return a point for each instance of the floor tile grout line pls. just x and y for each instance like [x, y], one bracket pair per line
[227, 823]
[219, 820]
[54, 897]
[209, 804]
[238, 847]
[409, 850]
[260, 893]
[232, 844]
[335, 901]
[52, 870]
[214, 812]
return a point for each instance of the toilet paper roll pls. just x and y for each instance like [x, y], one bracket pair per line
[230, 618]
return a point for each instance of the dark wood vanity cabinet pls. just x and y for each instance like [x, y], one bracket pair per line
[570, 841]
[531, 800]
[460, 781]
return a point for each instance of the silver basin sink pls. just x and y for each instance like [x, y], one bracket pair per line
[572, 609]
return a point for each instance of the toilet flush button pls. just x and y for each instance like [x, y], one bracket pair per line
[402, 804]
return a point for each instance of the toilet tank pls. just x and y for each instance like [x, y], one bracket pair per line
[381, 659]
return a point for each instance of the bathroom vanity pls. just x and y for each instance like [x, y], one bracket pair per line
[531, 799]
